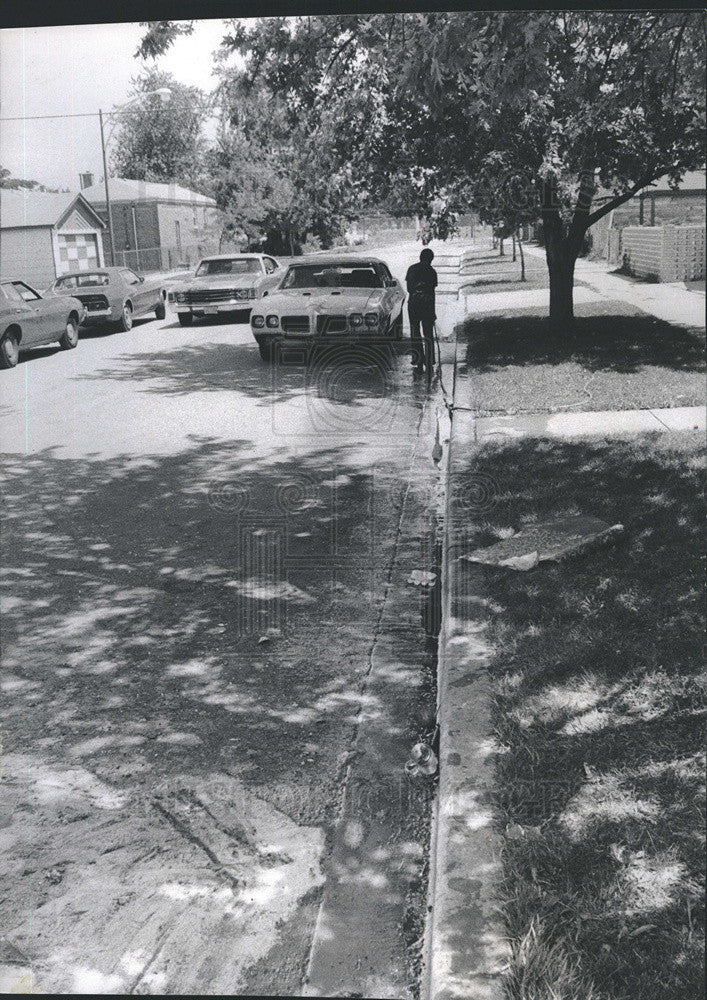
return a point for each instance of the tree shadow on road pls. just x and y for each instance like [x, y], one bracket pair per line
[349, 374]
[137, 590]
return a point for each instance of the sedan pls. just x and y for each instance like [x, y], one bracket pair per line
[333, 299]
[28, 319]
[113, 295]
[225, 283]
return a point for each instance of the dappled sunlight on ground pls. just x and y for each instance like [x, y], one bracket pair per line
[600, 706]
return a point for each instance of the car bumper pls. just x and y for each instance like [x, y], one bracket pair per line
[95, 317]
[212, 309]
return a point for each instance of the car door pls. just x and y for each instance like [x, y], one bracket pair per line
[20, 312]
[138, 290]
[48, 315]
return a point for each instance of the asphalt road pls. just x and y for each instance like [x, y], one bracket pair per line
[197, 554]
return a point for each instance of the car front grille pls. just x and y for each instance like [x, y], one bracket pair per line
[331, 324]
[207, 295]
[94, 303]
[295, 324]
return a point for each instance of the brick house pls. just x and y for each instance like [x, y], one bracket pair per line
[155, 225]
[45, 234]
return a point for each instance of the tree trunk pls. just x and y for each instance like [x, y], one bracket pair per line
[560, 263]
[513, 241]
[502, 252]
[522, 257]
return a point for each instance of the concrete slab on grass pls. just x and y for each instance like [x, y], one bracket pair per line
[547, 541]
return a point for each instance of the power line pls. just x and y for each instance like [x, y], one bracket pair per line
[89, 114]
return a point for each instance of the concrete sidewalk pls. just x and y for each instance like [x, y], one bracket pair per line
[672, 302]
[596, 422]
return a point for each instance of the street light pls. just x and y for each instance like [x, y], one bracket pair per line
[165, 95]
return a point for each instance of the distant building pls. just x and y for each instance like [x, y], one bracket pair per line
[44, 235]
[154, 225]
[655, 205]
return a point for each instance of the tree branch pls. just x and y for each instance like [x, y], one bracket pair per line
[621, 199]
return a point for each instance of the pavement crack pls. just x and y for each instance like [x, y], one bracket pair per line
[189, 835]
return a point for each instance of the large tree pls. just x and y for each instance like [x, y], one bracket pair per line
[156, 141]
[523, 115]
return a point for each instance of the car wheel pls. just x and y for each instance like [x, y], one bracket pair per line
[70, 337]
[125, 323]
[160, 311]
[185, 319]
[9, 349]
[265, 348]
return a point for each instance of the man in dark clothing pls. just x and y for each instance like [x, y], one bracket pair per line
[421, 281]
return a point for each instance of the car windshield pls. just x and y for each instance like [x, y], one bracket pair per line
[233, 265]
[83, 281]
[332, 276]
[12, 293]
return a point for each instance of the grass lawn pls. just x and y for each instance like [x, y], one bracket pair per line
[617, 358]
[488, 272]
[599, 720]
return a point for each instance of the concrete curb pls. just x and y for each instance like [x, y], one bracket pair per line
[357, 947]
[466, 949]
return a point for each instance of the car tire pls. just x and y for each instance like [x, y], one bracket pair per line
[125, 323]
[160, 310]
[265, 347]
[70, 337]
[185, 319]
[9, 349]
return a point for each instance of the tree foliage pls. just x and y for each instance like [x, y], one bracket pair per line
[154, 141]
[553, 115]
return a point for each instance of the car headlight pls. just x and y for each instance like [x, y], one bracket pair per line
[371, 319]
[273, 321]
[356, 319]
[258, 322]
[181, 296]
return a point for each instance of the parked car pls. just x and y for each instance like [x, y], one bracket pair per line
[114, 295]
[225, 283]
[29, 319]
[331, 299]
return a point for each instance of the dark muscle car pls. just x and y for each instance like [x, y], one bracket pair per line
[114, 295]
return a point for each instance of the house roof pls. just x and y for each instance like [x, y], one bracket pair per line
[22, 208]
[693, 180]
[122, 189]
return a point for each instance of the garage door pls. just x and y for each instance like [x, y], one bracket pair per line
[77, 252]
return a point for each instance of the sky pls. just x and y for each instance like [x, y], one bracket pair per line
[77, 69]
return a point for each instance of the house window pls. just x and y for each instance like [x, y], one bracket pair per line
[178, 234]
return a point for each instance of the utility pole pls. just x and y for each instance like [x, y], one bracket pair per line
[105, 181]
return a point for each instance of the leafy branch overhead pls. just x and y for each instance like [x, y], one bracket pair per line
[522, 115]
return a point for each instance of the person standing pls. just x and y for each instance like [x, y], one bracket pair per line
[421, 281]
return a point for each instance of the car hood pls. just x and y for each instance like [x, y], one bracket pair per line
[322, 301]
[209, 281]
